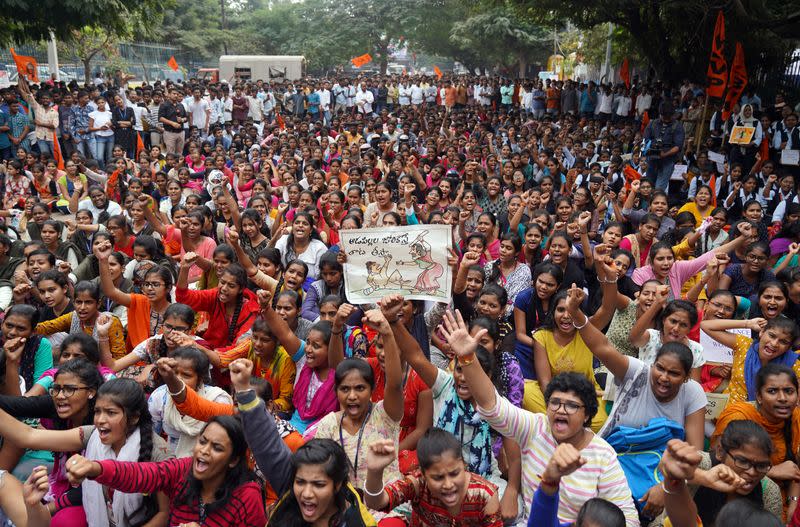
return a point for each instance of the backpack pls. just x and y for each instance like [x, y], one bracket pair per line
[639, 452]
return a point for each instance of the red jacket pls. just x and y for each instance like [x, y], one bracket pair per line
[207, 300]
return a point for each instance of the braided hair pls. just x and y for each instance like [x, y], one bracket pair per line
[240, 276]
[328, 261]
[88, 374]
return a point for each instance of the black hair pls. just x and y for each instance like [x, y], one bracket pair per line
[163, 272]
[88, 346]
[495, 290]
[328, 454]
[130, 397]
[549, 321]
[726, 293]
[675, 306]
[53, 275]
[745, 513]
[90, 376]
[774, 370]
[151, 246]
[240, 276]
[200, 362]
[681, 351]
[235, 476]
[358, 365]
[474, 236]
[42, 252]
[548, 268]
[516, 241]
[780, 323]
[434, 444]
[658, 246]
[600, 513]
[571, 382]
[25, 311]
[323, 327]
[85, 286]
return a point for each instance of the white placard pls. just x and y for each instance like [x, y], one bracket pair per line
[790, 157]
[716, 353]
[719, 159]
[716, 403]
[410, 261]
[678, 172]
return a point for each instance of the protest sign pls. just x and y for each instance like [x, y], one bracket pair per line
[742, 135]
[716, 403]
[678, 172]
[790, 157]
[716, 353]
[410, 261]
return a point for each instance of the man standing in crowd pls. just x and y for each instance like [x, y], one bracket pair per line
[172, 115]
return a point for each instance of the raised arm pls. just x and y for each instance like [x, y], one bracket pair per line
[639, 330]
[23, 436]
[718, 329]
[594, 339]
[412, 353]
[607, 276]
[151, 217]
[102, 252]
[464, 345]
[393, 393]
[279, 327]
[336, 344]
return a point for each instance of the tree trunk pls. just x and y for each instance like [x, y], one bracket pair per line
[87, 70]
[383, 49]
[523, 66]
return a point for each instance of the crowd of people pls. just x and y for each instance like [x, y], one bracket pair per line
[178, 347]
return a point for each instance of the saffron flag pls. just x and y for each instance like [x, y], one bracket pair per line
[645, 120]
[280, 121]
[139, 144]
[717, 65]
[26, 66]
[57, 152]
[631, 175]
[437, 71]
[737, 82]
[172, 63]
[359, 61]
[625, 73]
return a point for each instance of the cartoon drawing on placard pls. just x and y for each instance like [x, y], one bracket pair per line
[378, 276]
[428, 279]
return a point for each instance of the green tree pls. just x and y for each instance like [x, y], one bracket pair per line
[32, 20]
[88, 43]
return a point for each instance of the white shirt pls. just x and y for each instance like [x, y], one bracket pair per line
[227, 108]
[623, 106]
[324, 99]
[101, 119]
[199, 109]
[364, 100]
[112, 208]
[643, 102]
[255, 107]
[268, 104]
[416, 94]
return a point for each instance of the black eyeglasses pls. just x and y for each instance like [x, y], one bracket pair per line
[724, 309]
[154, 285]
[746, 464]
[569, 407]
[67, 389]
[168, 328]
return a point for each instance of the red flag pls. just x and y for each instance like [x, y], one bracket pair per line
[26, 66]
[57, 152]
[631, 175]
[437, 71]
[645, 120]
[717, 65]
[172, 63]
[625, 73]
[359, 61]
[737, 82]
[763, 149]
[139, 145]
[280, 121]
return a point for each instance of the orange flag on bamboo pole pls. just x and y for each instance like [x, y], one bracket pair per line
[26, 66]
[437, 71]
[717, 65]
[172, 63]
[625, 73]
[361, 60]
[280, 121]
[737, 82]
[57, 152]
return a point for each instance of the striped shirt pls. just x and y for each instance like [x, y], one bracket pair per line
[244, 508]
[600, 477]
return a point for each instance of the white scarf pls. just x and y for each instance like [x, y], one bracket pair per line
[188, 427]
[94, 503]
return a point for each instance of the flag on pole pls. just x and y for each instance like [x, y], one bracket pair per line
[172, 63]
[625, 73]
[437, 71]
[280, 121]
[26, 66]
[737, 82]
[139, 144]
[361, 60]
[57, 152]
[717, 65]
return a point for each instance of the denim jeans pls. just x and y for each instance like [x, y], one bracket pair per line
[659, 171]
[102, 146]
[45, 147]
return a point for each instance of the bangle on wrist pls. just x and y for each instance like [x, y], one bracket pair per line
[175, 394]
[333, 332]
[586, 321]
[792, 498]
[373, 494]
[674, 485]
[466, 360]
[549, 482]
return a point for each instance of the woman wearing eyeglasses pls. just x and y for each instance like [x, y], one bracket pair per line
[146, 311]
[742, 279]
[775, 409]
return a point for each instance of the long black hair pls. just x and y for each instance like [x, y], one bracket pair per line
[88, 374]
[334, 462]
[235, 476]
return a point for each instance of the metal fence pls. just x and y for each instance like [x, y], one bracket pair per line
[145, 60]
